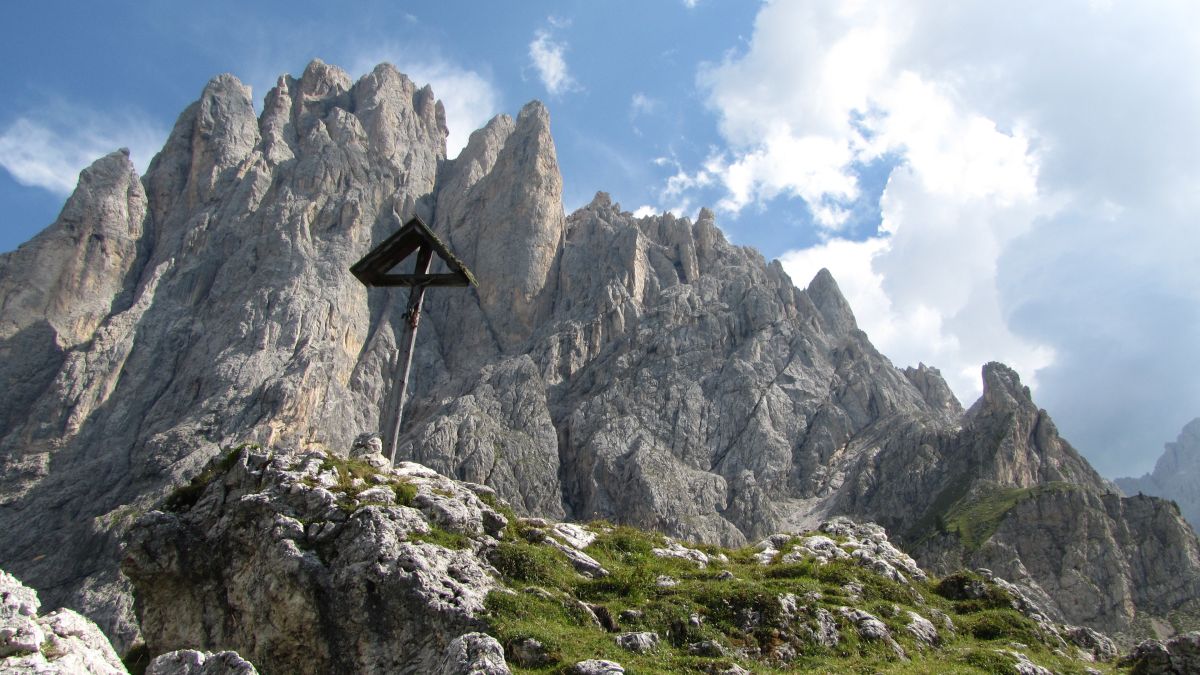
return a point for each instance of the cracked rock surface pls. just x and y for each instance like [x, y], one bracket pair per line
[305, 563]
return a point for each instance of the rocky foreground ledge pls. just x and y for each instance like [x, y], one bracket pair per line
[306, 562]
[66, 642]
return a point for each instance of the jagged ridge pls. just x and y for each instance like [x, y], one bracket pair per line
[638, 369]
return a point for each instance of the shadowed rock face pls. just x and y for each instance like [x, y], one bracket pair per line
[1176, 474]
[643, 370]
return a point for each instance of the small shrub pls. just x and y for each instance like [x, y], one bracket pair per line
[876, 587]
[624, 541]
[801, 570]
[743, 606]
[185, 497]
[499, 505]
[52, 650]
[997, 624]
[837, 572]
[405, 491]
[972, 593]
[530, 563]
[631, 583]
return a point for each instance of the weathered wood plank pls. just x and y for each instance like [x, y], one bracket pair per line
[446, 279]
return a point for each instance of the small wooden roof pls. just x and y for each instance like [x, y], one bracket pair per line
[375, 267]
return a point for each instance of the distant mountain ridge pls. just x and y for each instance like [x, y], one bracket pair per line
[642, 370]
[1176, 474]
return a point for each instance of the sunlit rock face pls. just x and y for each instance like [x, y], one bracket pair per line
[642, 370]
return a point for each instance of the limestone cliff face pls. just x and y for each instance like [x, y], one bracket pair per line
[1176, 474]
[643, 370]
[217, 302]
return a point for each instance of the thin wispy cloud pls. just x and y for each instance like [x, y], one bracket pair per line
[49, 148]
[641, 104]
[548, 57]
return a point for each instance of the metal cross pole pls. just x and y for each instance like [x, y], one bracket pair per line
[412, 317]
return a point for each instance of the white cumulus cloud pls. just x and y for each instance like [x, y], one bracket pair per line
[547, 54]
[1041, 209]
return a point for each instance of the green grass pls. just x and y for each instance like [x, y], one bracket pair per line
[185, 497]
[975, 518]
[544, 600]
[525, 563]
[355, 476]
[444, 538]
[1000, 624]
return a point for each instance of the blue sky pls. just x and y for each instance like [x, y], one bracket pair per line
[987, 181]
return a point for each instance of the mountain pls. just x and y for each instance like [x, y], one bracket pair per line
[1176, 474]
[640, 370]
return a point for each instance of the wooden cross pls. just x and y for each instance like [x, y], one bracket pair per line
[375, 269]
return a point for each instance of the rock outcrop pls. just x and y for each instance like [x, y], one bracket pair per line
[641, 370]
[1179, 655]
[62, 641]
[192, 662]
[1176, 474]
[308, 563]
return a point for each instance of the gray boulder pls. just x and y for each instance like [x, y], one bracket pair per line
[640, 642]
[596, 667]
[192, 662]
[474, 654]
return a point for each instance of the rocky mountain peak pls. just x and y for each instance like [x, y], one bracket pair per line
[601, 200]
[320, 88]
[505, 216]
[836, 315]
[1184, 453]
[1176, 474]
[1018, 441]
[391, 110]
[934, 390]
[1002, 389]
[100, 226]
[57, 289]
[210, 140]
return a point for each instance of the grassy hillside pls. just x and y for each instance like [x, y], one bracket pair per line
[744, 613]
